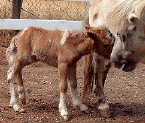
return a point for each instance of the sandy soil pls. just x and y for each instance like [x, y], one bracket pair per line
[125, 93]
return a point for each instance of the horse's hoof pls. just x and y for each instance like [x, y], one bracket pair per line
[65, 117]
[21, 110]
[105, 113]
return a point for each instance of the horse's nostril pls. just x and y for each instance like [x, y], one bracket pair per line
[118, 61]
[132, 52]
[118, 65]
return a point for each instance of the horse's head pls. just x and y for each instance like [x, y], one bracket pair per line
[129, 47]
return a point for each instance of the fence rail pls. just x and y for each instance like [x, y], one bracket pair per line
[19, 24]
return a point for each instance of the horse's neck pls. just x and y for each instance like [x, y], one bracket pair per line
[106, 6]
[110, 5]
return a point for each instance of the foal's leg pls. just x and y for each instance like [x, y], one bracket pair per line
[18, 74]
[14, 74]
[11, 80]
[100, 76]
[88, 77]
[72, 81]
[98, 71]
[107, 66]
[21, 90]
[62, 68]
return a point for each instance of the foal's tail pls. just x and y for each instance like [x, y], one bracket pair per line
[11, 51]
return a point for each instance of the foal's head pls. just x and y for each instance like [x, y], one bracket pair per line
[103, 40]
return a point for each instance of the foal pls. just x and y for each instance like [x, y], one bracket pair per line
[57, 48]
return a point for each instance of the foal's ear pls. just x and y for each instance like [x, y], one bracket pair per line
[92, 35]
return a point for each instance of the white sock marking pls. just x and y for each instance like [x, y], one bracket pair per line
[103, 106]
[62, 105]
[76, 100]
[13, 94]
[21, 91]
[10, 74]
[13, 101]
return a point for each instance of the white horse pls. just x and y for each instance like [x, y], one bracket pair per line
[126, 21]
[129, 48]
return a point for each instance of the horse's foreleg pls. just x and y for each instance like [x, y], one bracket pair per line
[62, 68]
[72, 81]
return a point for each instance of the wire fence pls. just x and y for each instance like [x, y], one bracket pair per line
[41, 9]
[46, 9]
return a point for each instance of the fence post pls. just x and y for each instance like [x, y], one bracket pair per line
[16, 11]
[86, 18]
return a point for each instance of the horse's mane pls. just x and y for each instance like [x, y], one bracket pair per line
[118, 15]
[140, 9]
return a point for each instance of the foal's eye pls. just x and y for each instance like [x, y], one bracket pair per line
[110, 34]
[123, 38]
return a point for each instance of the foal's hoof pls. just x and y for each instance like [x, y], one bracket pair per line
[23, 101]
[10, 105]
[21, 110]
[65, 117]
[105, 113]
[104, 110]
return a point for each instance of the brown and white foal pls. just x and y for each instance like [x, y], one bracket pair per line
[57, 48]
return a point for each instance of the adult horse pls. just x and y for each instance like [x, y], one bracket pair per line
[129, 48]
[125, 19]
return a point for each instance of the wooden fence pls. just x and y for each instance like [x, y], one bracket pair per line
[19, 24]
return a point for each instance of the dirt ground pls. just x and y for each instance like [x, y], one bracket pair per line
[125, 94]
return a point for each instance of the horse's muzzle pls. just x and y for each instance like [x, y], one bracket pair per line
[126, 65]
